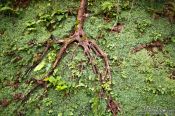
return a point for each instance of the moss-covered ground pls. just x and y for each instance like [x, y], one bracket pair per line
[143, 82]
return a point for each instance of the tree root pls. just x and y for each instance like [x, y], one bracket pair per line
[158, 44]
[89, 47]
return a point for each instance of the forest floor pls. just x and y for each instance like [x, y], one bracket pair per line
[140, 49]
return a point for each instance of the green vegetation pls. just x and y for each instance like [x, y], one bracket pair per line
[142, 79]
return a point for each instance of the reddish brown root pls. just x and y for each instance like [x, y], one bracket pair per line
[113, 106]
[89, 47]
[152, 45]
[155, 44]
[39, 57]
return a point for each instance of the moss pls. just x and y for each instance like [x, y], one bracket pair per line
[140, 80]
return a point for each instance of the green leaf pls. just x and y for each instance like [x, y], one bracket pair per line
[60, 17]
[173, 39]
[71, 113]
[81, 85]
[40, 66]
[53, 81]
[61, 87]
[31, 29]
[107, 6]
[60, 114]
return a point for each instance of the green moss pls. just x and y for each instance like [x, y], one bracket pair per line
[140, 80]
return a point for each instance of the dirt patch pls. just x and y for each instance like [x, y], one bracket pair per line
[21, 3]
[18, 96]
[14, 84]
[153, 47]
[2, 31]
[172, 76]
[5, 102]
[117, 28]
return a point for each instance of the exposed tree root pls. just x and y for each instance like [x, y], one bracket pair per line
[152, 45]
[89, 47]
[48, 44]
